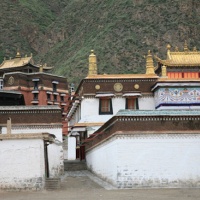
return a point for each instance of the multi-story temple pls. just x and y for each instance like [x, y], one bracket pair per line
[142, 130]
[20, 77]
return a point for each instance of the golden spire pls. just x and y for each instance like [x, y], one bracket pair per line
[168, 51]
[92, 64]
[164, 71]
[41, 68]
[149, 64]
[18, 55]
[195, 49]
[185, 46]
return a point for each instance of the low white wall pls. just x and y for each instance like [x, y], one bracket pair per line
[148, 161]
[56, 160]
[26, 129]
[22, 164]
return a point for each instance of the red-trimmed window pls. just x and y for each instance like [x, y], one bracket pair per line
[105, 106]
[132, 103]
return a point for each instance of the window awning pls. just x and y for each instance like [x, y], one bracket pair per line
[105, 95]
[131, 94]
[77, 129]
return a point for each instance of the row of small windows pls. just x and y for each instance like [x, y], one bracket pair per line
[55, 97]
[54, 85]
[105, 105]
[191, 75]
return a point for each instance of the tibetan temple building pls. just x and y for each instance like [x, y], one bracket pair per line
[24, 83]
[140, 130]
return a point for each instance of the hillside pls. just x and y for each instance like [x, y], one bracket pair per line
[62, 33]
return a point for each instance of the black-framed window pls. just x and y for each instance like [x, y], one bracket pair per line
[1, 84]
[132, 103]
[48, 96]
[35, 96]
[55, 97]
[105, 106]
[62, 98]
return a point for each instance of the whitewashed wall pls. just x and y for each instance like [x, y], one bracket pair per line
[89, 106]
[146, 103]
[56, 160]
[148, 161]
[22, 164]
[55, 150]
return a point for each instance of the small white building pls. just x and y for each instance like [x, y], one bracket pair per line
[30, 147]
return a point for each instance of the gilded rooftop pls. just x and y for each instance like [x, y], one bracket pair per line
[181, 58]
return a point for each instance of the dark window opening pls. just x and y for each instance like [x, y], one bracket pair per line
[35, 85]
[35, 96]
[132, 103]
[54, 87]
[105, 106]
[55, 97]
[48, 96]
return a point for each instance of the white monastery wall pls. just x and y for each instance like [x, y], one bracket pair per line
[148, 161]
[22, 164]
[71, 148]
[118, 104]
[146, 103]
[89, 107]
[56, 160]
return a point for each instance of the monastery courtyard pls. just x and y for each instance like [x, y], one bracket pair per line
[84, 185]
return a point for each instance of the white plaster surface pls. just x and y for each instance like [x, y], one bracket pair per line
[22, 164]
[148, 161]
[146, 103]
[71, 148]
[56, 160]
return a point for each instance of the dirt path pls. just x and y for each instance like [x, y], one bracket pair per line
[78, 185]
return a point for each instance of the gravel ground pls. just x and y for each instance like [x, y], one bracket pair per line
[85, 186]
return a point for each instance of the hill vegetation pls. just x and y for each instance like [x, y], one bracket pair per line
[61, 33]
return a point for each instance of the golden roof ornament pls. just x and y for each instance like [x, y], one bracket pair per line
[168, 51]
[18, 55]
[92, 64]
[164, 71]
[195, 49]
[176, 49]
[185, 46]
[149, 64]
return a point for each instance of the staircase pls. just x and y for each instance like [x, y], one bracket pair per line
[74, 165]
[52, 183]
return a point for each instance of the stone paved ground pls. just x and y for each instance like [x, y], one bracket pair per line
[85, 186]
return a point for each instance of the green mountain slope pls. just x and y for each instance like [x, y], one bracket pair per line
[63, 32]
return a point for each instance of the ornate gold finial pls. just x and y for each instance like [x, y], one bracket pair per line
[185, 46]
[149, 64]
[176, 49]
[168, 47]
[41, 68]
[195, 49]
[164, 71]
[18, 55]
[92, 64]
